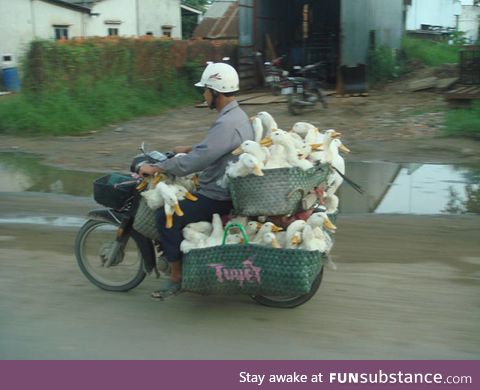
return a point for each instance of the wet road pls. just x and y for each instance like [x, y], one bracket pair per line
[406, 287]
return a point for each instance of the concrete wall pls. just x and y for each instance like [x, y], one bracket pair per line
[469, 22]
[154, 14]
[123, 11]
[433, 12]
[23, 20]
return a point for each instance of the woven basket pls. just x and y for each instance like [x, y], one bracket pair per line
[250, 269]
[278, 192]
[144, 221]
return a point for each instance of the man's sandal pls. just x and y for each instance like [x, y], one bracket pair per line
[166, 290]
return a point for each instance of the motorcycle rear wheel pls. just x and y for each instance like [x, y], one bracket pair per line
[293, 107]
[289, 302]
[94, 243]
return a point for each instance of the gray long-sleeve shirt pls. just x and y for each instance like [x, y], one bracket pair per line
[212, 155]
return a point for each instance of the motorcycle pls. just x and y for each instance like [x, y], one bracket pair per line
[275, 75]
[304, 91]
[115, 257]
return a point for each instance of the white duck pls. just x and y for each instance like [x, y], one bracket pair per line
[260, 152]
[267, 227]
[320, 219]
[182, 193]
[252, 229]
[268, 123]
[302, 128]
[331, 203]
[216, 236]
[192, 239]
[246, 164]
[257, 128]
[204, 227]
[326, 139]
[171, 202]
[294, 230]
[334, 158]
[269, 239]
[234, 238]
[312, 243]
[281, 137]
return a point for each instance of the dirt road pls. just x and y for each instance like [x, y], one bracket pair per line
[406, 287]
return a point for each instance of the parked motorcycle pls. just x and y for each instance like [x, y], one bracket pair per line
[115, 257]
[304, 91]
[275, 75]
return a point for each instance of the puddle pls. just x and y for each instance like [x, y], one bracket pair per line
[411, 189]
[21, 172]
[389, 187]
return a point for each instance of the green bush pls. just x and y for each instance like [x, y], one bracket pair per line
[383, 64]
[77, 86]
[464, 122]
[432, 53]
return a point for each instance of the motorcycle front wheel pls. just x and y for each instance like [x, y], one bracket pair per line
[289, 302]
[94, 248]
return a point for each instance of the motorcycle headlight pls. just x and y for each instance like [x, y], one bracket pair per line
[285, 73]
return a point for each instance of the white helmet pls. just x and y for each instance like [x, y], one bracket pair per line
[220, 77]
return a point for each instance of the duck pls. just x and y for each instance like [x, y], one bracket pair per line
[270, 239]
[153, 198]
[246, 164]
[311, 242]
[278, 158]
[257, 128]
[302, 128]
[334, 158]
[280, 137]
[268, 123]
[171, 205]
[267, 227]
[292, 230]
[326, 138]
[193, 239]
[203, 227]
[190, 182]
[331, 202]
[260, 152]
[182, 193]
[216, 237]
[252, 228]
[321, 219]
[234, 238]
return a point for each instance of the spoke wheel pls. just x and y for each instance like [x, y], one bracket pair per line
[93, 248]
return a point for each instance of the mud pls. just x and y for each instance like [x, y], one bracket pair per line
[406, 287]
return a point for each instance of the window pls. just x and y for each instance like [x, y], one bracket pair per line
[112, 31]
[149, 33]
[61, 32]
[167, 31]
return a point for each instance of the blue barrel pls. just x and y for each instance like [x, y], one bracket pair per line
[11, 81]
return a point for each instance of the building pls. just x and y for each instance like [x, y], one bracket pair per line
[22, 21]
[336, 32]
[444, 16]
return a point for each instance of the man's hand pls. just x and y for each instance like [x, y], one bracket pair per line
[182, 149]
[149, 170]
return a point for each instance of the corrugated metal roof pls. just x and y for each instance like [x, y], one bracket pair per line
[218, 8]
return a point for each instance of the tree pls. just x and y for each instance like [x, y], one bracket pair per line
[189, 22]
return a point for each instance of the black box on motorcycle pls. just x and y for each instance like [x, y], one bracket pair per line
[114, 190]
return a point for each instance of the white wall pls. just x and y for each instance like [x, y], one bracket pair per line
[23, 20]
[113, 10]
[154, 13]
[469, 21]
[433, 12]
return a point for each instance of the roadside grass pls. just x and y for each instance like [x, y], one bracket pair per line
[431, 53]
[87, 107]
[463, 122]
